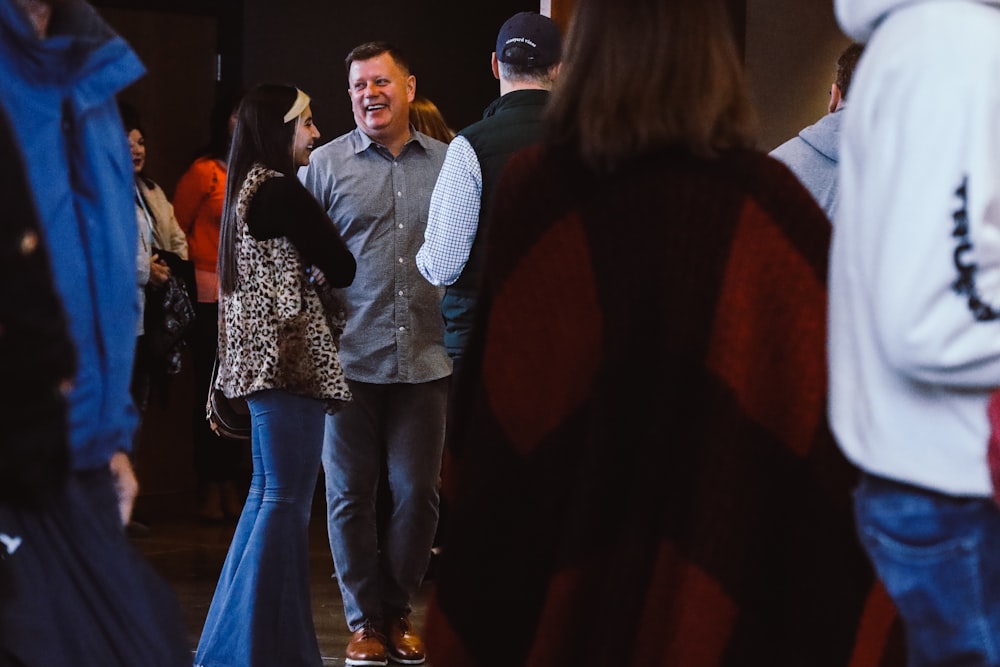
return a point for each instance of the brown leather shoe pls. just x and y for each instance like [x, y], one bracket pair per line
[405, 646]
[367, 647]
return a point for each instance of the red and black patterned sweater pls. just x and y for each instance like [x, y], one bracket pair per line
[639, 466]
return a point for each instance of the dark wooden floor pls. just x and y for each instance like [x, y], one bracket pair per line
[190, 555]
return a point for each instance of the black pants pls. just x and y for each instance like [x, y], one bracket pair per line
[74, 591]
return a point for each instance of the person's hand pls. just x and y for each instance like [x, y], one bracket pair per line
[159, 271]
[126, 484]
[318, 277]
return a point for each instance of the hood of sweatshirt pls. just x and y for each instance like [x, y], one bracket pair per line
[824, 135]
[859, 18]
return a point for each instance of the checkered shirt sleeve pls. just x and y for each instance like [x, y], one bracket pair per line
[454, 215]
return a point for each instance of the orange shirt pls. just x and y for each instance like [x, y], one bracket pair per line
[198, 201]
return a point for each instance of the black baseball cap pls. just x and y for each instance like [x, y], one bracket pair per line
[528, 39]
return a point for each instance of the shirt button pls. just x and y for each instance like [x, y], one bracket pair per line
[400, 260]
[400, 292]
[400, 225]
[402, 328]
[399, 194]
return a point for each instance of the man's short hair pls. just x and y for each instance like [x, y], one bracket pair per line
[544, 76]
[370, 50]
[846, 63]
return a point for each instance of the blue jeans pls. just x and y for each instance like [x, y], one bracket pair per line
[261, 613]
[402, 424]
[939, 558]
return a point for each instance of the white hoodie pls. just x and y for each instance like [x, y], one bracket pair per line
[911, 366]
[859, 18]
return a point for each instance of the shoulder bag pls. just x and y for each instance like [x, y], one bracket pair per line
[228, 417]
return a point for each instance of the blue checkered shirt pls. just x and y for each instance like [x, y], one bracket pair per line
[454, 215]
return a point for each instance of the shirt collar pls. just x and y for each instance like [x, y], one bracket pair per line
[363, 142]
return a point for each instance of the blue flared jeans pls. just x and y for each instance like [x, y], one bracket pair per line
[261, 613]
[939, 558]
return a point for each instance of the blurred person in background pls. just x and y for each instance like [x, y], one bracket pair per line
[198, 200]
[814, 153]
[160, 237]
[915, 314]
[428, 119]
[73, 590]
[639, 465]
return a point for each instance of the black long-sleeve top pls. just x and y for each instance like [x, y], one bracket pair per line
[283, 207]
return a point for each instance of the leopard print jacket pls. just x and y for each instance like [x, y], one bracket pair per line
[274, 331]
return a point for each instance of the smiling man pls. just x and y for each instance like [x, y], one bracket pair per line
[375, 183]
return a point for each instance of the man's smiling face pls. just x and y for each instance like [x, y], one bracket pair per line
[381, 92]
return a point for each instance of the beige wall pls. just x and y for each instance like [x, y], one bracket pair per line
[791, 57]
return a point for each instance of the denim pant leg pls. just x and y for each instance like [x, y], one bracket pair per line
[352, 456]
[414, 447]
[261, 613]
[404, 422]
[939, 558]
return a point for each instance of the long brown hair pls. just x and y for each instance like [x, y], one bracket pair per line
[427, 118]
[644, 74]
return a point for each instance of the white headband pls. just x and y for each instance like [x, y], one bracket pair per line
[300, 104]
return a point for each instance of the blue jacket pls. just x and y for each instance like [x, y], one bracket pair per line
[60, 96]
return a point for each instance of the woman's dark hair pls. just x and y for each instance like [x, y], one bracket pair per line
[132, 121]
[646, 74]
[130, 117]
[261, 136]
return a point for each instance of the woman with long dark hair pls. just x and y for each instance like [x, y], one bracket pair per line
[278, 348]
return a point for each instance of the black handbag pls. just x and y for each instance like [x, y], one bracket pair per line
[169, 314]
[227, 417]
